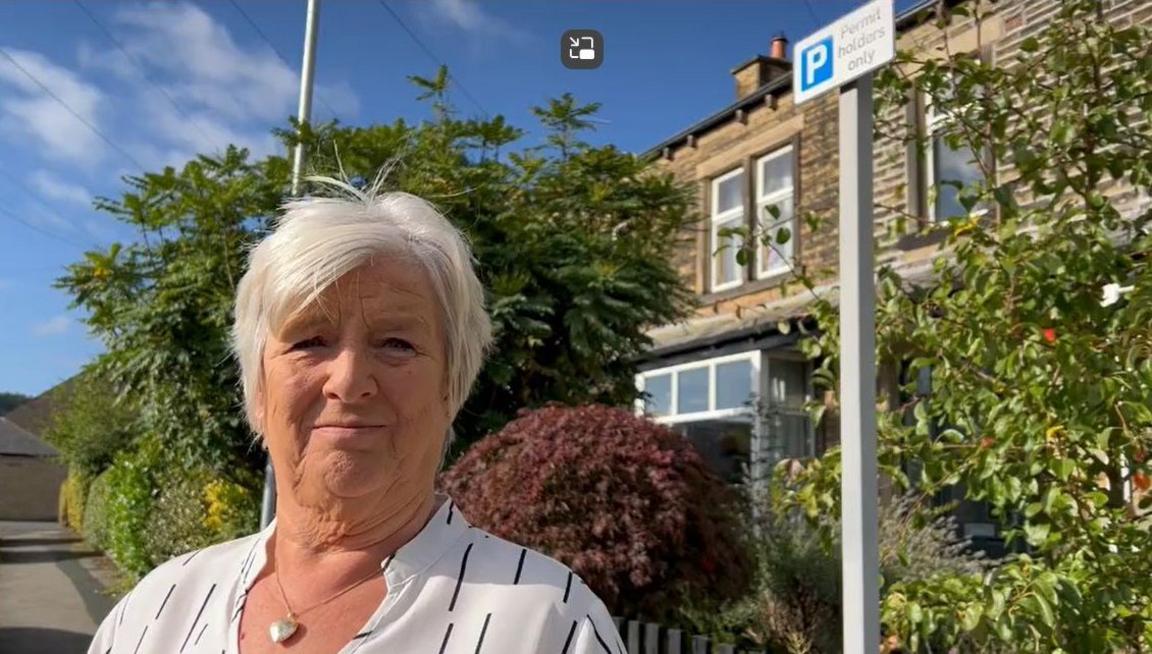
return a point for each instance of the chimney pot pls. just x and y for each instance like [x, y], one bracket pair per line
[779, 46]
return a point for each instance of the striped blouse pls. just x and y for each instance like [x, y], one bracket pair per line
[451, 589]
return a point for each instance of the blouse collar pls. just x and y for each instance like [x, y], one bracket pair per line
[438, 535]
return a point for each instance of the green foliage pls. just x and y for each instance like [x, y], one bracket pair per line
[232, 509]
[177, 525]
[573, 243]
[162, 306]
[131, 490]
[96, 513]
[795, 606]
[74, 492]
[1040, 395]
[93, 424]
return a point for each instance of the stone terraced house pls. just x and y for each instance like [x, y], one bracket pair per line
[738, 351]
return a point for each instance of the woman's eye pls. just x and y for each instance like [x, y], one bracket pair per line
[311, 342]
[399, 345]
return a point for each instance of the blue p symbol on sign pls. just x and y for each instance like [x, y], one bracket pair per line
[816, 63]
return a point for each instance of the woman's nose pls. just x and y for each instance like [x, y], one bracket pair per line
[350, 375]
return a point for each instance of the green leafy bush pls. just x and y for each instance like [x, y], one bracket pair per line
[233, 509]
[72, 497]
[1040, 396]
[96, 513]
[131, 500]
[795, 605]
[94, 424]
[62, 503]
[195, 510]
[626, 503]
[177, 524]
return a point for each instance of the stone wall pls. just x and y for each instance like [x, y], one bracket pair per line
[30, 487]
[900, 194]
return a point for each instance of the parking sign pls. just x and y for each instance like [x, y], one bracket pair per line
[856, 44]
[817, 63]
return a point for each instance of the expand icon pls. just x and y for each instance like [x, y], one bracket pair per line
[582, 49]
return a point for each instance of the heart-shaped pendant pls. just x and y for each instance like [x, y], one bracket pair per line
[282, 630]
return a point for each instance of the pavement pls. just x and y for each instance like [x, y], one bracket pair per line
[52, 589]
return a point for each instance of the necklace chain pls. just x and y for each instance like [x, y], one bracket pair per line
[293, 615]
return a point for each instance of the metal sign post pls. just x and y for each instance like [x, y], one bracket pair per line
[307, 68]
[858, 488]
[843, 55]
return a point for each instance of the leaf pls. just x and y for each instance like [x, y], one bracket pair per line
[1037, 532]
[1064, 468]
[1047, 616]
[783, 235]
[971, 617]
[1050, 498]
[1100, 455]
[1004, 628]
[915, 613]
[996, 608]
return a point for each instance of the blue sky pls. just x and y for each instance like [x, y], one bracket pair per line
[193, 76]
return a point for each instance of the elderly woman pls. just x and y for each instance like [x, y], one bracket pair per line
[359, 330]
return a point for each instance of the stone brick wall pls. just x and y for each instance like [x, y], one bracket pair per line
[29, 487]
[899, 192]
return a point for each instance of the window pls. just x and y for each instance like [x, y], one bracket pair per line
[946, 164]
[727, 213]
[788, 432]
[774, 187]
[710, 402]
[717, 404]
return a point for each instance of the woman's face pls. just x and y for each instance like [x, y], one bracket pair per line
[354, 401]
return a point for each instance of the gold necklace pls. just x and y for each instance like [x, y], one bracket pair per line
[283, 629]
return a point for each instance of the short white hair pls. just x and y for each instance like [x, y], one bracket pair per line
[317, 240]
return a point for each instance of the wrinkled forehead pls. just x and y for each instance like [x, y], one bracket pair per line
[387, 293]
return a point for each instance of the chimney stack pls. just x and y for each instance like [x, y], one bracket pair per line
[764, 69]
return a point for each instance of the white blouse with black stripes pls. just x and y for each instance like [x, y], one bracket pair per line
[451, 589]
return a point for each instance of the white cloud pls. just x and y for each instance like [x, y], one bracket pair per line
[225, 92]
[206, 66]
[340, 97]
[27, 109]
[41, 216]
[52, 326]
[188, 86]
[470, 17]
[202, 132]
[58, 189]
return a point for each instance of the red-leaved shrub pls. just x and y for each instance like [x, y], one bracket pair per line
[626, 503]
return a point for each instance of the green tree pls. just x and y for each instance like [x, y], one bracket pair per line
[94, 423]
[573, 247]
[1041, 396]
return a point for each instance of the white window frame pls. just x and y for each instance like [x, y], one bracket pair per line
[718, 219]
[674, 417]
[932, 121]
[761, 361]
[770, 357]
[775, 197]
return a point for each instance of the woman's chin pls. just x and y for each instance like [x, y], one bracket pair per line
[348, 475]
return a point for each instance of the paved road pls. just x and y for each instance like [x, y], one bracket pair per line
[50, 602]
